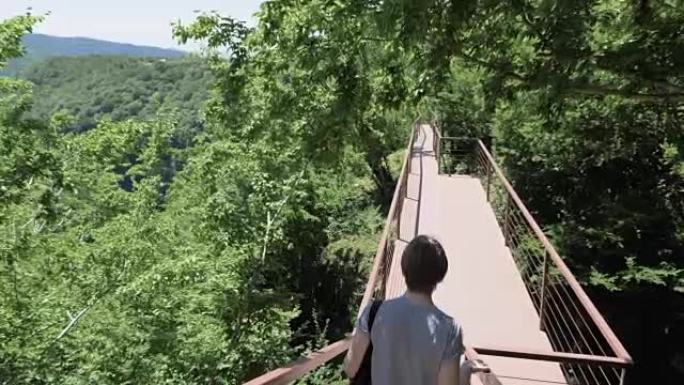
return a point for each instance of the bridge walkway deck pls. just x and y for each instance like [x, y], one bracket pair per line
[483, 289]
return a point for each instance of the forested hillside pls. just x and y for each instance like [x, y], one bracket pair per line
[39, 48]
[128, 258]
[92, 88]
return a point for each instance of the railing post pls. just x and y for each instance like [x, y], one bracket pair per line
[388, 265]
[403, 192]
[439, 154]
[399, 216]
[489, 180]
[506, 225]
[542, 300]
[435, 138]
[487, 141]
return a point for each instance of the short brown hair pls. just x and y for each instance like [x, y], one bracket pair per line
[424, 264]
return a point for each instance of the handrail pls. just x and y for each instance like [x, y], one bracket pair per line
[301, 367]
[420, 180]
[379, 253]
[544, 355]
[607, 333]
[545, 274]
[485, 374]
[615, 344]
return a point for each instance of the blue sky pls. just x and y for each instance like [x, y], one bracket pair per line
[130, 21]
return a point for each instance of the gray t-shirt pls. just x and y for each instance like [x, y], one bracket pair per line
[410, 341]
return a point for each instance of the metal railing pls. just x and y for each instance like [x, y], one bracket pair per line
[584, 346]
[375, 286]
[392, 231]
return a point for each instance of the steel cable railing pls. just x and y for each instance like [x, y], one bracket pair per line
[585, 347]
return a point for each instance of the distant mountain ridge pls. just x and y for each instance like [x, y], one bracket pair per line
[40, 47]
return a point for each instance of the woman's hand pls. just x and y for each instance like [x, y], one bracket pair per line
[357, 350]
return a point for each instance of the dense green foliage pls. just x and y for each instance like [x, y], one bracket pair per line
[89, 89]
[128, 258]
[584, 100]
[39, 48]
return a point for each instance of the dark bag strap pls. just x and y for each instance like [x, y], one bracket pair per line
[363, 376]
[371, 316]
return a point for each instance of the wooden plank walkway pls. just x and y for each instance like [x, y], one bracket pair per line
[483, 290]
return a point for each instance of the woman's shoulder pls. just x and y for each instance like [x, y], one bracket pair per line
[449, 321]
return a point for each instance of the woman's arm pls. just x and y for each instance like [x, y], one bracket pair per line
[449, 372]
[359, 343]
[450, 367]
[357, 350]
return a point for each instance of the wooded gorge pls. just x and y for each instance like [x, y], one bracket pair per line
[92, 88]
[181, 243]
